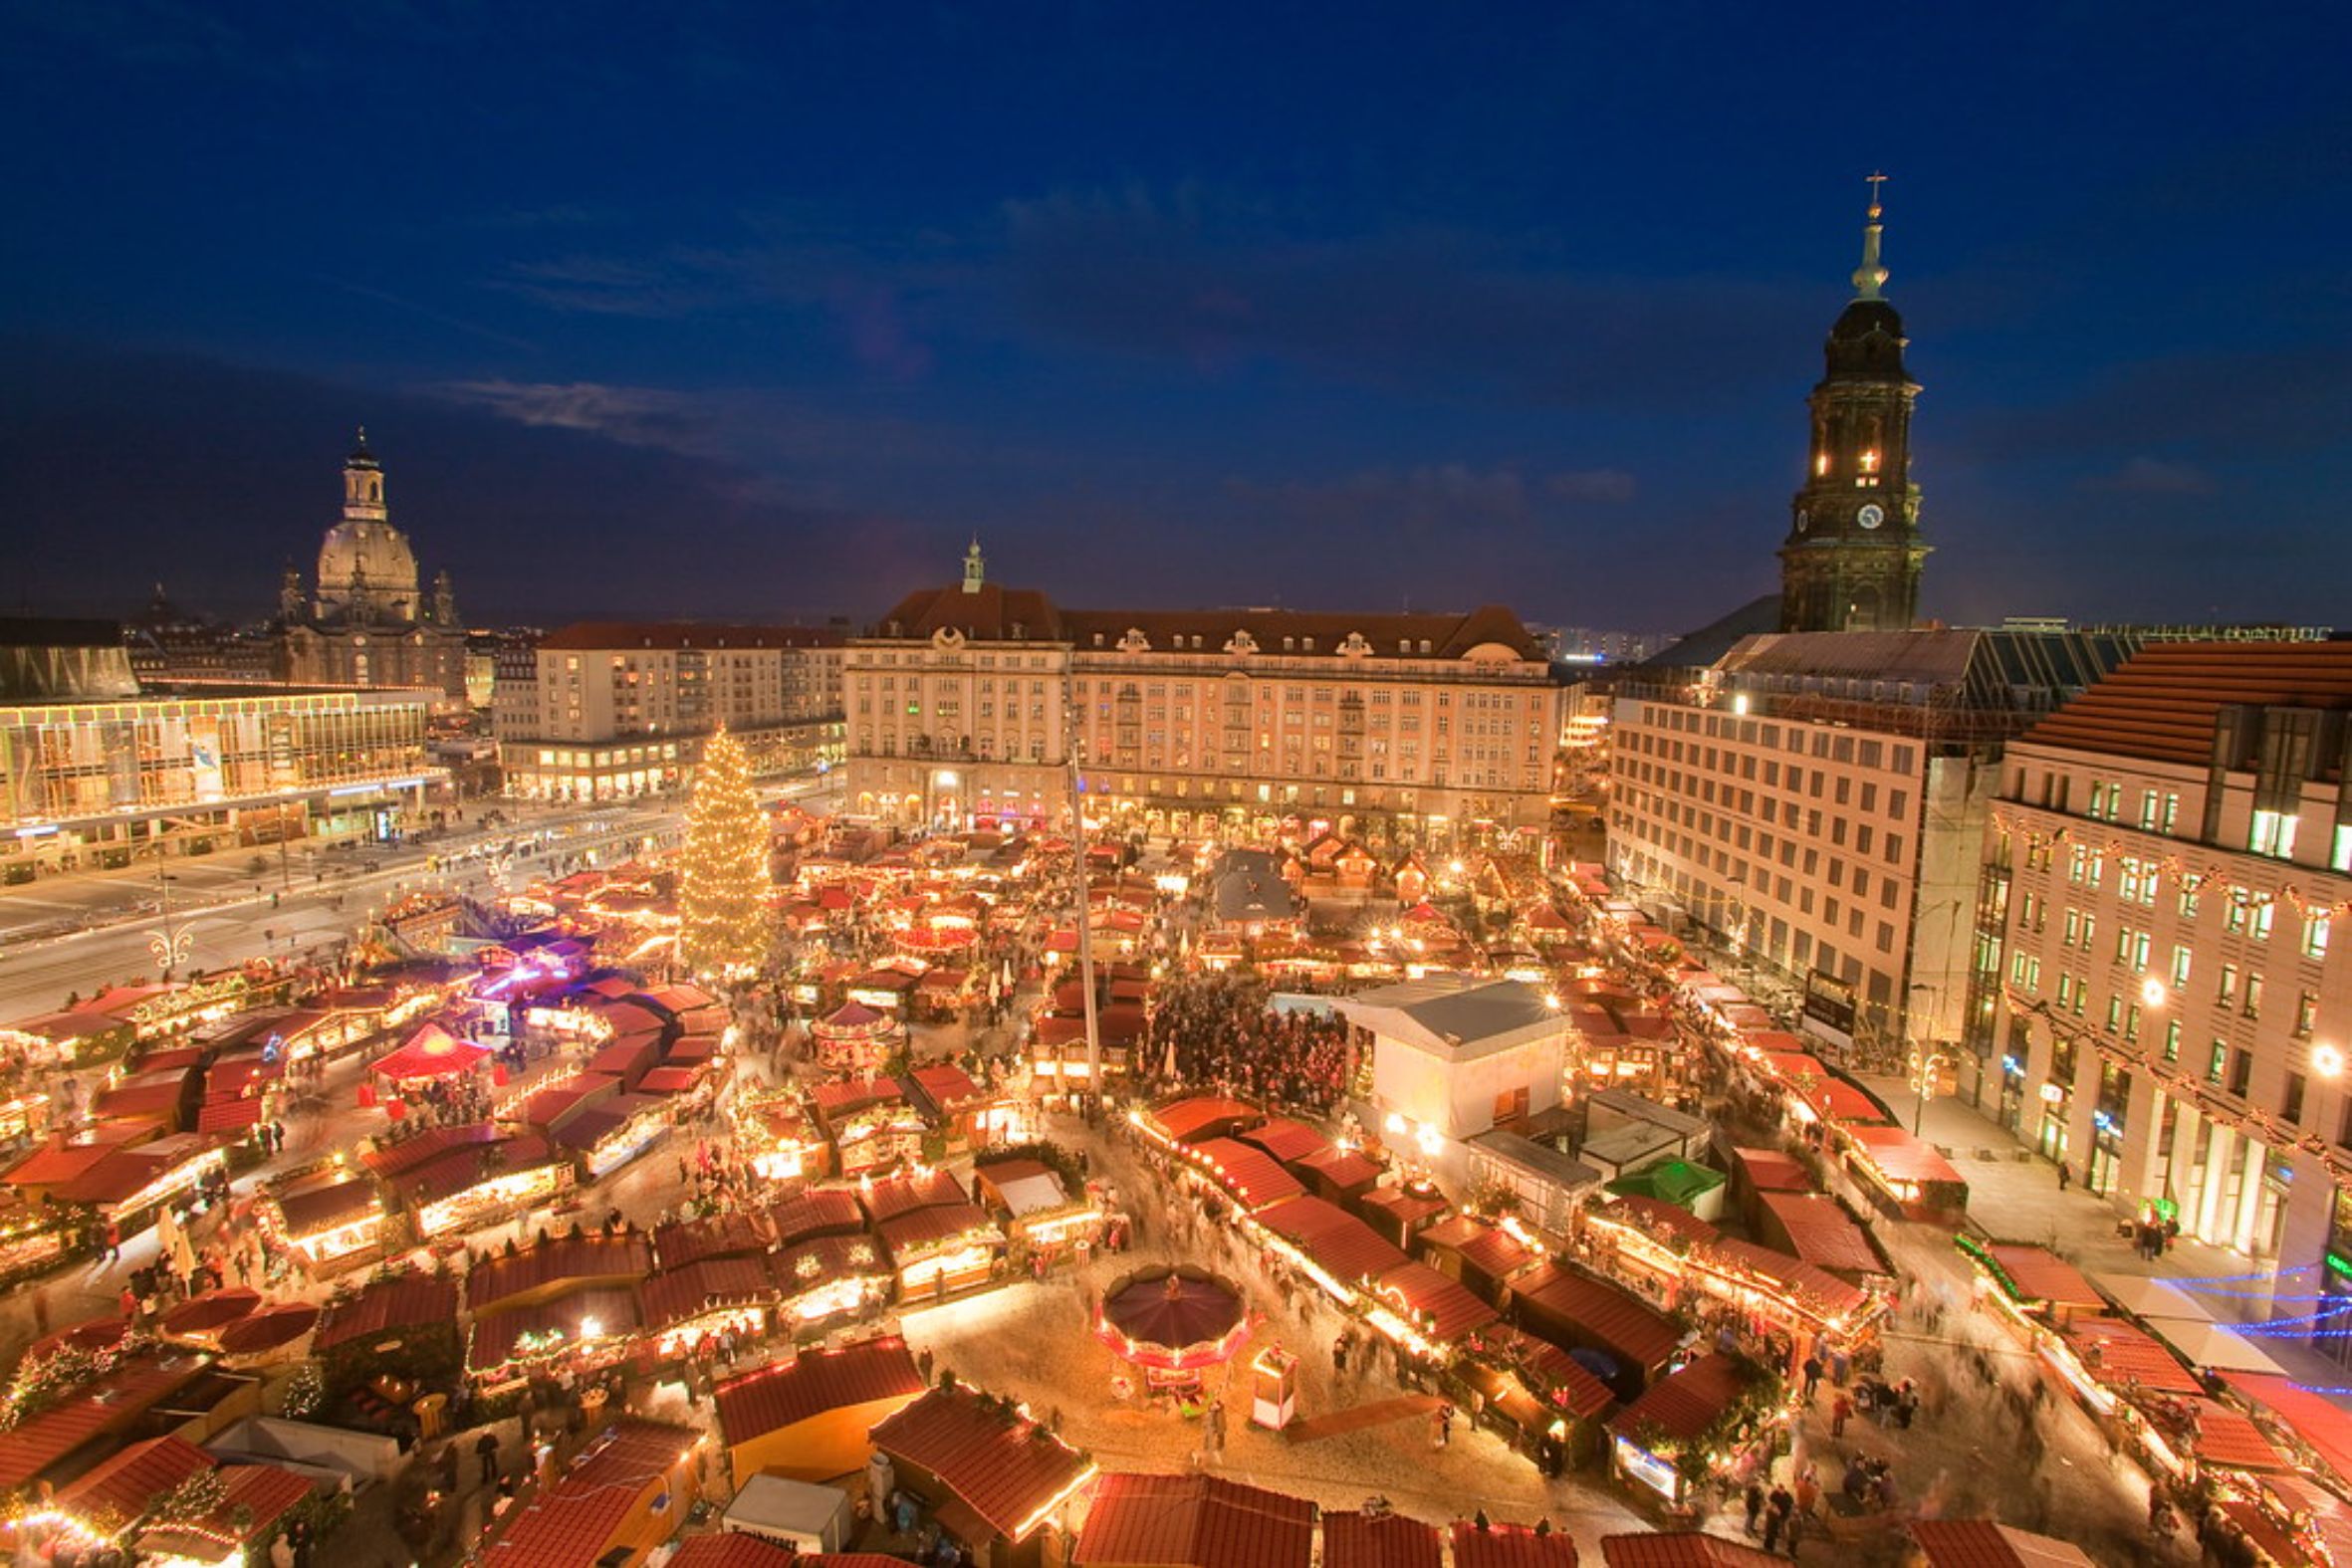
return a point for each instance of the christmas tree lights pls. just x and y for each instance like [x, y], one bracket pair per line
[723, 881]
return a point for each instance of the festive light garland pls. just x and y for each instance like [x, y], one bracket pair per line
[2180, 1084]
[723, 875]
[2171, 867]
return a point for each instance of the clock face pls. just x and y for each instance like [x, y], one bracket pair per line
[1871, 515]
[1805, 520]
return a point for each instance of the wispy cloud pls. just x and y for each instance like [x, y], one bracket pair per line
[631, 415]
[1179, 276]
[2151, 476]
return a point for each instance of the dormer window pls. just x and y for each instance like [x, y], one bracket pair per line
[1310, 644]
[1288, 644]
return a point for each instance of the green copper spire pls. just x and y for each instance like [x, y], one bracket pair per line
[1871, 276]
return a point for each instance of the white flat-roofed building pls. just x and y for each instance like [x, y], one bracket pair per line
[1455, 1056]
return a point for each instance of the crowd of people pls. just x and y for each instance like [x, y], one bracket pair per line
[1221, 1030]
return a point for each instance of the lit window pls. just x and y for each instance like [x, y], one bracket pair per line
[2273, 835]
[1869, 462]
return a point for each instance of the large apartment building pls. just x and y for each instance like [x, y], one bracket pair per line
[612, 710]
[1422, 729]
[1817, 801]
[2171, 863]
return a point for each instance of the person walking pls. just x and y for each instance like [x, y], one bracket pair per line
[2065, 1176]
[486, 1455]
[1756, 1503]
[1775, 1519]
[1841, 1411]
[1812, 1371]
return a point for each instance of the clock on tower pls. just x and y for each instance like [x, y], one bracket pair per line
[1852, 557]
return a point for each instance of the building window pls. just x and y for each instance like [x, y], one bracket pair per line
[2273, 835]
[2290, 1105]
[2315, 936]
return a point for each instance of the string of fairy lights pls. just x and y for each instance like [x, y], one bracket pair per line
[2170, 866]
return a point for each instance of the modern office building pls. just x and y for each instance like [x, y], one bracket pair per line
[94, 772]
[1817, 801]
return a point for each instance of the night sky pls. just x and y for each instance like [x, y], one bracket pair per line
[763, 310]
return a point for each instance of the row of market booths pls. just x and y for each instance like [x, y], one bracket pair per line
[1563, 1359]
[1903, 1175]
[653, 1054]
[2215, 1420]
[584, 1300]
[189, 1090]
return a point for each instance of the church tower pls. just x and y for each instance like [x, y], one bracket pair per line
[362, 485]
[975, 568]
[1852, 559]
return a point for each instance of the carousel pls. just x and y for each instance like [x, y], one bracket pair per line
[1173, 1322]
[856, 1039]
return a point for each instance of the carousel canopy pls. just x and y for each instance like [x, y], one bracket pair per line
[853, 1018]
[1174, 1312]
[432, 1053]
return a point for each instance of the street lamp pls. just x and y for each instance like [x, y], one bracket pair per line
[1926, 1063]
[170, 944]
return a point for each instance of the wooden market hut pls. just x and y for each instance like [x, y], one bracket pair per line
[625, 1494]
[992, 1479]
[807, 1419]
[1193, 1521]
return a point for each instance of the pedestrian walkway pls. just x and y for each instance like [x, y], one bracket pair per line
[2019, 1200]
[1356, 1418]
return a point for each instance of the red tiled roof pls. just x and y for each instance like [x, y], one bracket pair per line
[625, 1058]
[1686, 1402]
[1551, 1368]
[1981, 1544]
[893, 1196]
[2162, 702]
[1822, 1234]
[1902, 1157]
[728, 1234]
[1403, 1205]
[2315, 1421]
[848, 1096]
[679, 1295]
[1345, 1169]
[1006, 1471]
[1181, 1120]
[623, 636]
[1449, 1310]
[32, 1445]
[947, 1085]
[127, 1172]
[670, 1080]
[1204, 1521]
[1682, 1549]
[778, 1396]
[1254, 1177]
[1509, 1546]
[397, 1159]
[388, 1306]
[549, 1105]
[1343, 1245]
[2229, 1440]
[1607, 1313]
[592, 1258]
[1383, 1540]
[574, 1522]
[221, 1116]
[1289, 1141]
[1799, 1280]
[817, 1211]
[2116, 1354]
[2042, 1276]
[805, 1265]
[1656, 1217]
[742, 1549]
[57, 1164]
[909, 1233]
[122, 1486]
[495, 1340]
[432, 1053]
[1449, 634]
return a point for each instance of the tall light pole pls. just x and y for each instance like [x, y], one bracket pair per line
[1925, 1058]
[1078, 842]
[170, 944]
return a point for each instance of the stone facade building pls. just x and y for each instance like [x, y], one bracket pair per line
[965, 703]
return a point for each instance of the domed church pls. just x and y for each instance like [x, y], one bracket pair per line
[366, 621]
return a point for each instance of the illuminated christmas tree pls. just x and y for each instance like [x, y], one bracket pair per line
[723, 880]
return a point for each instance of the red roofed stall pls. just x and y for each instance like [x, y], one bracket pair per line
[992, 1482]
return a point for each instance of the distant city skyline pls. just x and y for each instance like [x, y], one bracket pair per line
[763, 316]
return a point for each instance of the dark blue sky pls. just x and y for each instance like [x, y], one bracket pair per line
[762, 310]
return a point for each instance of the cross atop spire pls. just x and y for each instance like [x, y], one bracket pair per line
[1871, 276]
